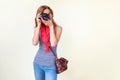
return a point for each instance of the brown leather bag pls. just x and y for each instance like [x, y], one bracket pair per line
[61, 63]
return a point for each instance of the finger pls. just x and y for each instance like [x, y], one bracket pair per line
[39, 15]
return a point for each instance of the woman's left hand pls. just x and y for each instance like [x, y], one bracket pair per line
[50, 23]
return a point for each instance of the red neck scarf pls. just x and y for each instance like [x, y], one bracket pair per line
[45, 36]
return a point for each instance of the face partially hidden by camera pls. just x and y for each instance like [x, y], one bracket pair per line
[46, 17]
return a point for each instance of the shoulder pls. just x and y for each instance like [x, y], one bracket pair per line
[58, 28]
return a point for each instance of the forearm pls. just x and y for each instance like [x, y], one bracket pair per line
[35, 39]
[53, 39]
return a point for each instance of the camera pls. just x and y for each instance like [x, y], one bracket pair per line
[45, 16]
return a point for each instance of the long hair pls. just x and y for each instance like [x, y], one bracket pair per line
[41, 9]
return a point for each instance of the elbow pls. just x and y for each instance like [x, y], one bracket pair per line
[35, 43]
[53, 44]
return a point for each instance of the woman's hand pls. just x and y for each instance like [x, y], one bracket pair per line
[38, 19]
[50, 23]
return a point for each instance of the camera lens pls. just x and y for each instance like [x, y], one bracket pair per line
[45, 16]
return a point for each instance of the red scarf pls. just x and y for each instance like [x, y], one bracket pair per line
[45, 36]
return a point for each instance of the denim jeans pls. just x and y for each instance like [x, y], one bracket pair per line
[44, 72]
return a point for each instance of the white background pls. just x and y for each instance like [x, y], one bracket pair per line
[90, 38]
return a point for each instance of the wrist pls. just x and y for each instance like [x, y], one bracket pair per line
[39, 24]
[51, 26]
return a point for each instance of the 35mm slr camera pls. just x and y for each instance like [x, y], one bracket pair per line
[45, 16]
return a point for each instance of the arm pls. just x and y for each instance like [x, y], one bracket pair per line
[35, 39]
[55, 37]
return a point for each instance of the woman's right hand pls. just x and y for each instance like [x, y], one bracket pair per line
[38, 19]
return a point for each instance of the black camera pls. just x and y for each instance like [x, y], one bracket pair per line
[45, 16]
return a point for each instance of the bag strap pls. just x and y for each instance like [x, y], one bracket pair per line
[53, 52]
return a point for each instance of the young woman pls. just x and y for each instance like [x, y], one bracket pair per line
[46, 33]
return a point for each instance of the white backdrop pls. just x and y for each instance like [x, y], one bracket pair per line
[90, 38]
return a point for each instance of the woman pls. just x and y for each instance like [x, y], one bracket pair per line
[47, 33]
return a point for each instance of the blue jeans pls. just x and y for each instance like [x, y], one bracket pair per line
[44, 72]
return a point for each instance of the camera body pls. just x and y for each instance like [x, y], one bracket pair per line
[45, 16]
